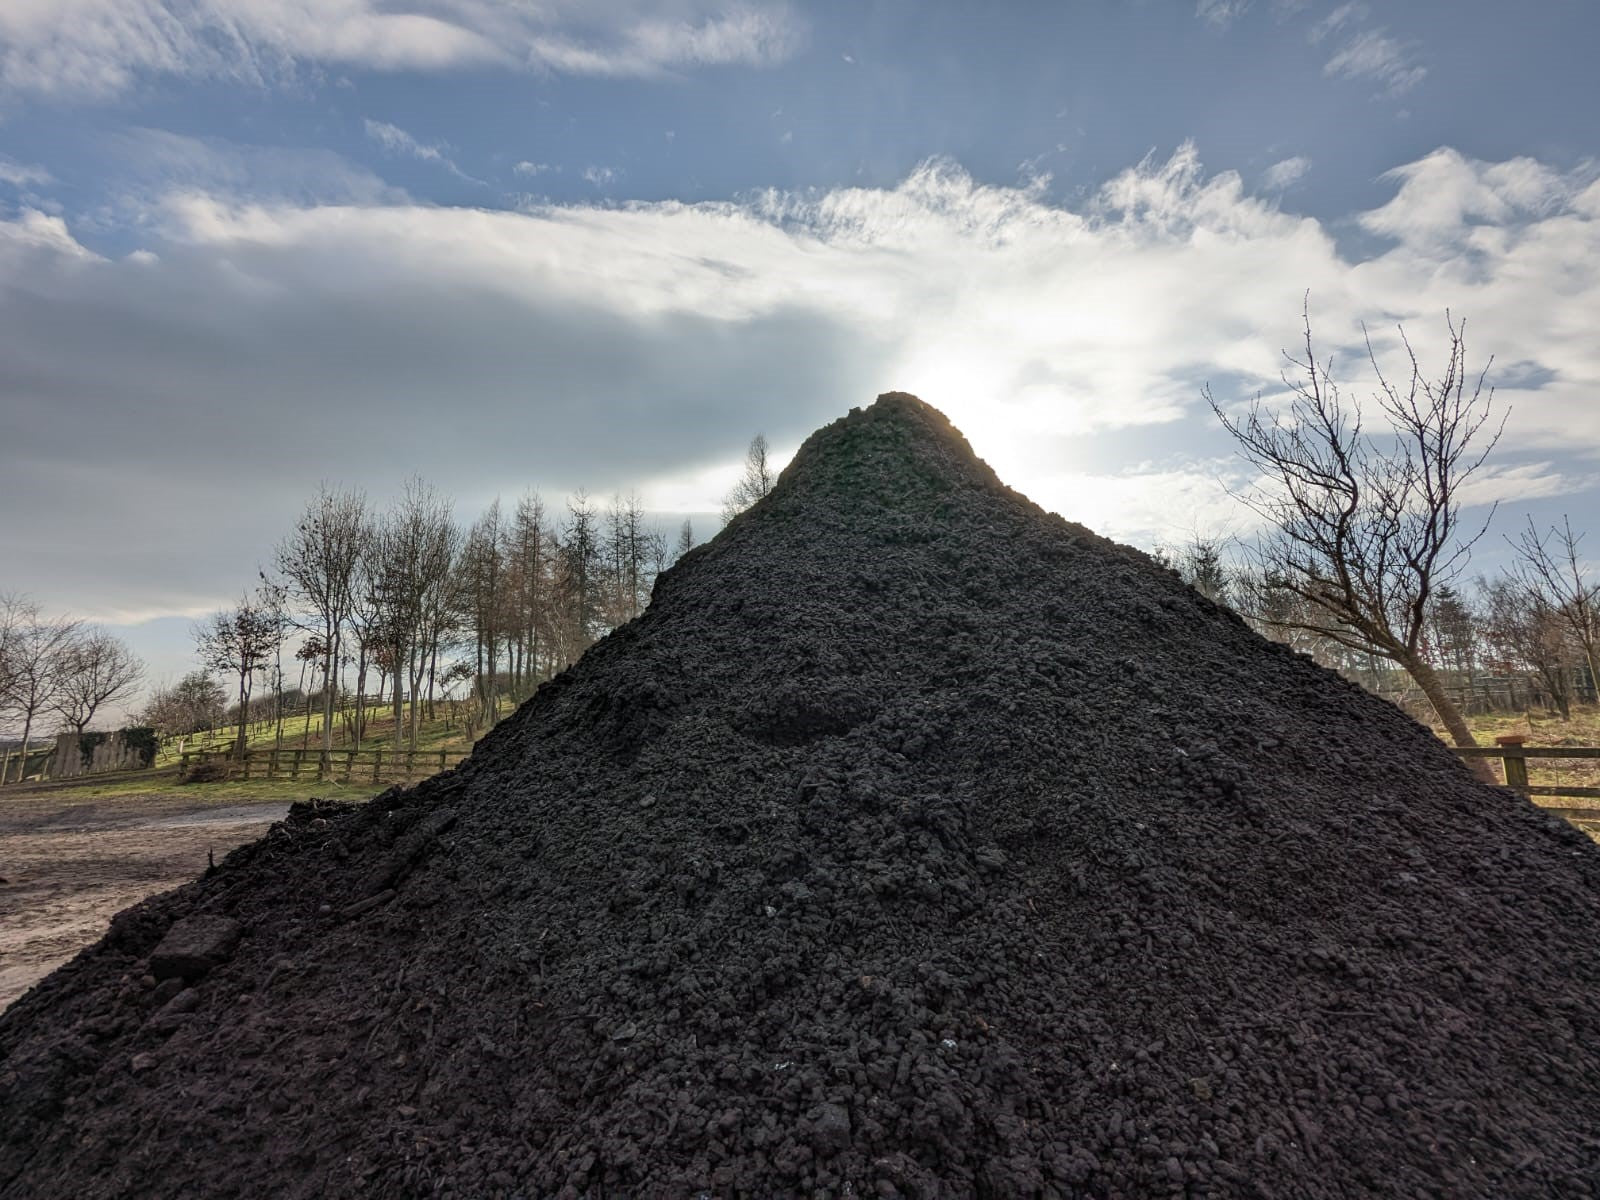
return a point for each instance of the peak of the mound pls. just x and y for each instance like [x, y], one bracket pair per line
[898, 450]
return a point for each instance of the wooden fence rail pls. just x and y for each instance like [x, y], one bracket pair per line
[1514, 753]
[338, 766]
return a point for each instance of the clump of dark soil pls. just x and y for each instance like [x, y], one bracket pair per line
[914, 843]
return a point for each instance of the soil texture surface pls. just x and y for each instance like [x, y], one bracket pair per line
[914, 843]
[67, 866]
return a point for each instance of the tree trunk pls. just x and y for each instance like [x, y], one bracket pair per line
[414, 671]
[361, 698]
[399, 721]
[1460, 733]
[328, 667]
[433, 666]
[22, 762]
[1428, 680]
[242, 737]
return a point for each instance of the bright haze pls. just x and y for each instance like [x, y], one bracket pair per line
[250, 245]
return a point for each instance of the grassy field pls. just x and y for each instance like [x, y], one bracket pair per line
[1548, 729]
[442, 732]
[163, 781]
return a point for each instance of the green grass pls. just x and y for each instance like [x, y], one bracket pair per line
[443, 732]
[1547, 729]
[1541, 728]
[165, 783]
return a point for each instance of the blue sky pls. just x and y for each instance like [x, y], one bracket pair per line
[248, 245]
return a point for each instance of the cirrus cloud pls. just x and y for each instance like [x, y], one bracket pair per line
[96, 49]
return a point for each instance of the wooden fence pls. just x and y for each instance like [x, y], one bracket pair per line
[1514, 753]
[338, 766]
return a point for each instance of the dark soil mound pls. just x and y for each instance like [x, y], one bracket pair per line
[915, 842]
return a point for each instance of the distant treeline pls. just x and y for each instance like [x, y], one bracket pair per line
[58, 670]
[365, 606]
[1525, 636]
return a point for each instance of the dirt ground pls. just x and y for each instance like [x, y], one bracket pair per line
[68, 864]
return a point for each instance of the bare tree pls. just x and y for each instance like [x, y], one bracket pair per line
[482, 569]
[1453, 637]
[627, 549]
[754, 484]
[318, 562]
[1525, 635]
[1549, 569]
[529, 547]
[659, 552]
[195, 702]
[36, 655]
[97, 669]
[1201, 563]
[685, 541]
[1365, 528]
[415, 553]
[239, 642]
[579, 583]
[366, 626]
[13, 611]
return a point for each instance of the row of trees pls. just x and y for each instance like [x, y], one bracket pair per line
[59, 671]
[1479, 637]
[406, 602]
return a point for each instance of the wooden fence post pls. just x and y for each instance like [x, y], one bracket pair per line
[377, 764]
[349, 764]
[1515, 761]
[441, 760]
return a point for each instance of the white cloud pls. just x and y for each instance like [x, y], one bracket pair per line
[151, 164]
[397, 141]
[1147, 504]
[1220, 13]
[533, 168]
[1281, 176]
[642, 344]
[42, 237]
[1495, 483]
[1339, 18]
[392, 137]
[98, 48]
[601, 177]
[22, 174]
[1372, 54]
[1444, 191]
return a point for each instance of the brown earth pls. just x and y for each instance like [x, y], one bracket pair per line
[68, 865]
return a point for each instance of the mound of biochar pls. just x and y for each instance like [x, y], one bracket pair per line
[914, 843]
